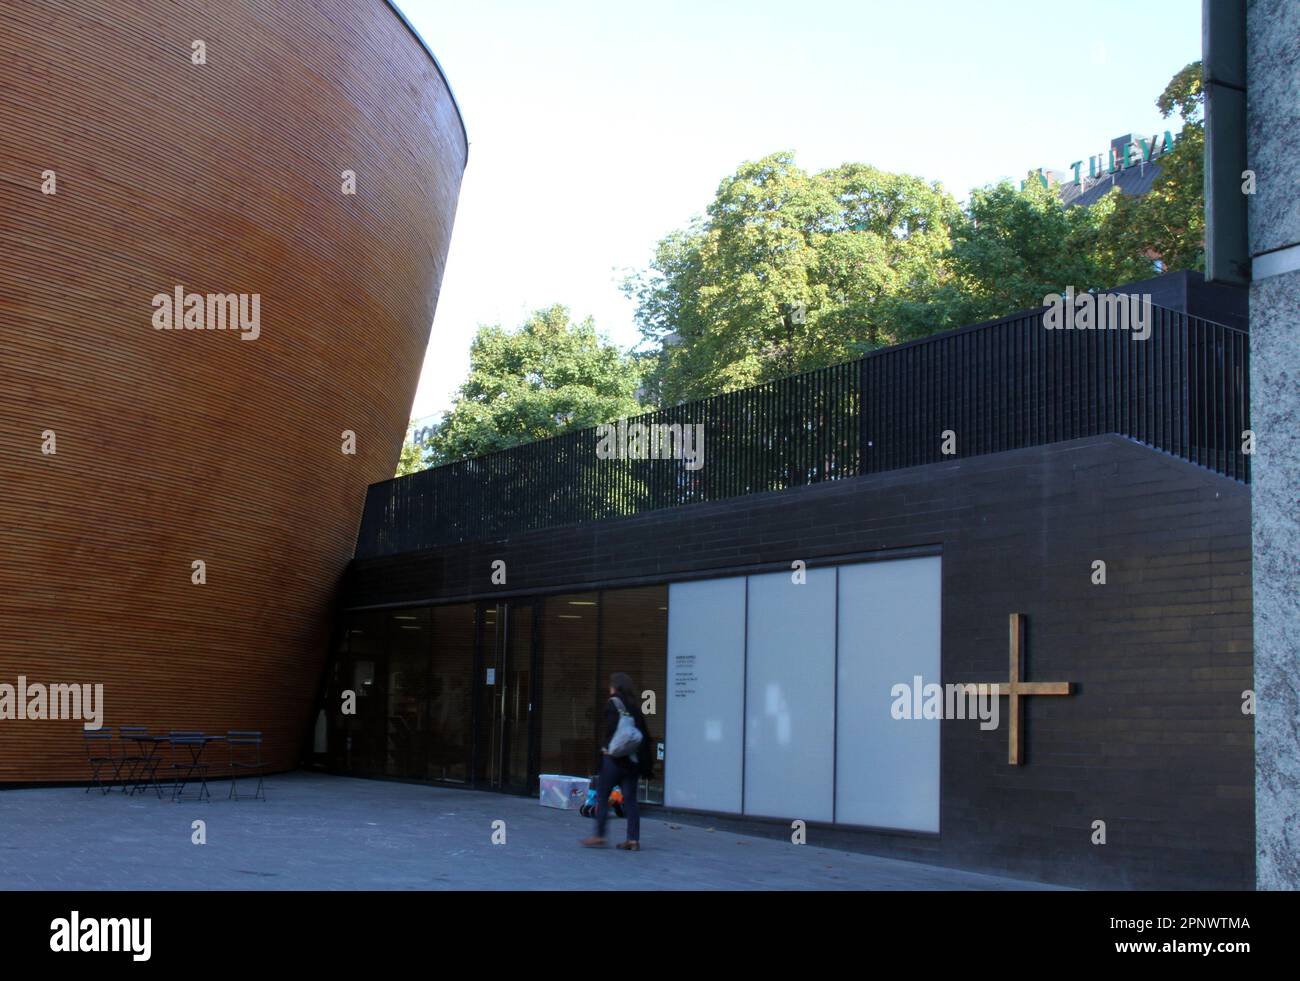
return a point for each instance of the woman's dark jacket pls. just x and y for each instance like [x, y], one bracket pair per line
[645, 753]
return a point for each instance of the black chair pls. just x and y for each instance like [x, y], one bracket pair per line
[139, 758]
[249, 759]
[99, 754]
[187, 763]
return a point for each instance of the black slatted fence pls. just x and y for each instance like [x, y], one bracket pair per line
[998, 386]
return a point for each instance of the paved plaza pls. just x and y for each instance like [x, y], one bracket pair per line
[326, 832]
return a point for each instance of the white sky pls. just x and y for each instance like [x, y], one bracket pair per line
[595, 127]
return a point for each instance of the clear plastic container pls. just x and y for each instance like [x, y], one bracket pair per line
[565, 793]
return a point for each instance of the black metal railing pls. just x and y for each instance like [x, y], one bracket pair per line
[1011, 383]
[1002, 385]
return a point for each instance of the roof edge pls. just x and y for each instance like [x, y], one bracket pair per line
[392, 5]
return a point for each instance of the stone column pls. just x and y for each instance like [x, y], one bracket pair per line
[1273, 152]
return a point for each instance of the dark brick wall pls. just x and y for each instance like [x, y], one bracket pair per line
[1153, 742]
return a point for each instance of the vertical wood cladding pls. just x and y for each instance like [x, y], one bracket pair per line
[1153, 741]
[177, 445]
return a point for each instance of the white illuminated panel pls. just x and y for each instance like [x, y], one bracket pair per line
[706, 690]
[790, 696]
[888, 772]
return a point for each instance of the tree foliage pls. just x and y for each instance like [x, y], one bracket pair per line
[1169, 220]
[412, 456]
[785, 272]
[550, 376]
[1011, 247]
[789, 271]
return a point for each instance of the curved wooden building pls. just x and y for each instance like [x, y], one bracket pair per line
[135, 163]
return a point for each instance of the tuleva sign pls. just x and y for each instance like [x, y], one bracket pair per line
[1123, 157]
[1116, 159]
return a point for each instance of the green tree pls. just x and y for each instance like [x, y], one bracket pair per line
[788, 271]
[412, 455]
[550, 376]
[785, 272]
[1169, 220]
[1012, 247]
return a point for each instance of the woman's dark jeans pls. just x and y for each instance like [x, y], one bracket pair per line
[615, 774]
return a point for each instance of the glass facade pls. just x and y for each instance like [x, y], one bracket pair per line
[489, 695]
[634, 639]
[505, 697]
[571, 684]
[357, 716]
[451, 721]
[406, 742]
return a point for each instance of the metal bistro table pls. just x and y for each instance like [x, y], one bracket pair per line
[144, 763]
[185, 770]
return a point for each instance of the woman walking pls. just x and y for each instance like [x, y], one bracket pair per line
[621, 770]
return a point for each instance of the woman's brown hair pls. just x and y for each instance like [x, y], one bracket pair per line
[622, 683]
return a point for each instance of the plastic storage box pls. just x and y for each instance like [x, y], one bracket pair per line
[566, 793]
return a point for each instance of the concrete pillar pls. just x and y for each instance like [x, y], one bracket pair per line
[1273, 152]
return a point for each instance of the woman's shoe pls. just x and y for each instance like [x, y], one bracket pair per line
[630, 846]
[595, 841]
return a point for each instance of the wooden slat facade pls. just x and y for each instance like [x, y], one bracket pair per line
[177, 445]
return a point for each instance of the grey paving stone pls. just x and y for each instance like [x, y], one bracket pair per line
[326, 832]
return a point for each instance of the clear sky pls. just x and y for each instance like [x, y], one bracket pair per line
[597, 127]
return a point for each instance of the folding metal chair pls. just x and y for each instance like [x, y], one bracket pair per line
[249, 759]
[135, 760]
[187, 764]
[99, 754]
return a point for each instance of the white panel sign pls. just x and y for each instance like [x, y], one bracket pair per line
[706, 688]
[888, 768]
[790, 696]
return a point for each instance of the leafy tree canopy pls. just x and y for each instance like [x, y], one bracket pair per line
[1011, 248]
[785, 272]
[789, 271]
[1169, 220]
[412, 456]
[550, 376]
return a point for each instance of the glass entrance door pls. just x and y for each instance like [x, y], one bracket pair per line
[505, 697]
[451, 693]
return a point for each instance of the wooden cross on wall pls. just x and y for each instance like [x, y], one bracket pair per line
[1015, 688]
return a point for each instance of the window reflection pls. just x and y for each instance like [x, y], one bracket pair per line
[418, 679]
[451, 681]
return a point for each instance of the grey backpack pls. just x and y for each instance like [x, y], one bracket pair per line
[627, 737]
